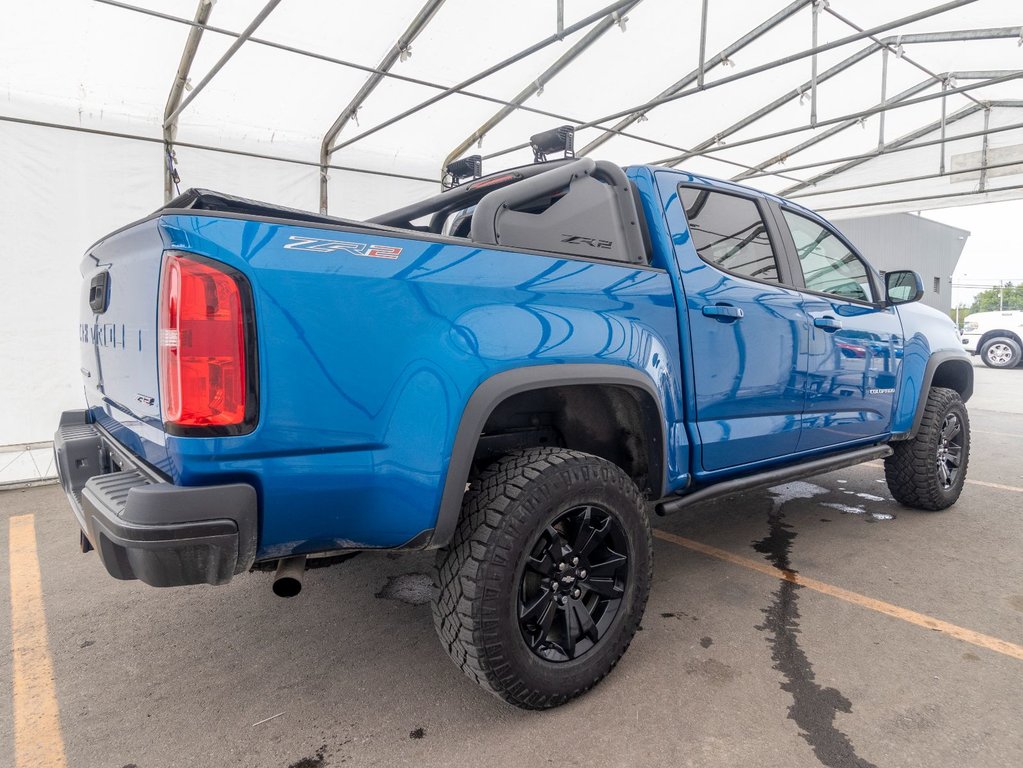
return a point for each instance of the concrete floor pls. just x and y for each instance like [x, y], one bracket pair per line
[733, 667]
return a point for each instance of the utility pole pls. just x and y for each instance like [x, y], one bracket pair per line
[1001, 296]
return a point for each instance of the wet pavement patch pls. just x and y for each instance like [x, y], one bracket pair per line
[813, 707]
[706, 642]
[316, 761]
[409, 588]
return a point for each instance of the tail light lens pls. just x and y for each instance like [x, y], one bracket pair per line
[206, 348]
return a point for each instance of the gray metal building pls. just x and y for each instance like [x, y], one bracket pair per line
[906, 241]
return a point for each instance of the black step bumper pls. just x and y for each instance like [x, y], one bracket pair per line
[144, 527]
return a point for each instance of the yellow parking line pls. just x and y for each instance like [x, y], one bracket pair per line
[999, 486]
[37, 738]
[919, 619]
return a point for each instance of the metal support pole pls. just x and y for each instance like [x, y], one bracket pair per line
[900, 142]
[513, 59]
[813, 64]
[170, 127]
[722, 56]
[760, 68]
[895, 146]
[703, 44]
[561, 18]
[983, 148]
[944, 90]
[417, 25]
[598, 31]
[238, 43]
[710, 149]
[817, 139]
[884, 98]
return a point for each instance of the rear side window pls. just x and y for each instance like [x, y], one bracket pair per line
[827, 263]
[729, 232]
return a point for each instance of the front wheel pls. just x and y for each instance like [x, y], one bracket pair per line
[1001, 353]
[545, 582]
[928, 472]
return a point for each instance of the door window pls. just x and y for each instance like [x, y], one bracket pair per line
[828, 265]
[729, 232]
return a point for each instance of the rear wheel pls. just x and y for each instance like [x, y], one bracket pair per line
[1002, 352]
[928, 471]
[546, 579]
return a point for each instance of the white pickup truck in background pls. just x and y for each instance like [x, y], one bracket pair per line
[996, 336]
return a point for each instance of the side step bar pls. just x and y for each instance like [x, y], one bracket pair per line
[670, 504]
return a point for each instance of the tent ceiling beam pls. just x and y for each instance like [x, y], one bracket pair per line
[334, 60]
[889, 46]
[598, 31]
[864, 53]
[890, 105]
[396, 52]
[896, 143]
[784, 155]
[513, 59]
[890, 149]
[694, 77]
[656, 102]
[855, 120]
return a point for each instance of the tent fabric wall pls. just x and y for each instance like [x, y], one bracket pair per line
[62, 190]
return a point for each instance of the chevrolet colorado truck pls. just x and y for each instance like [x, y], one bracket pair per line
[518, 372]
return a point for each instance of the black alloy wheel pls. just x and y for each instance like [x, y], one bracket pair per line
[572, 583]
[545, 580]
[950, 450]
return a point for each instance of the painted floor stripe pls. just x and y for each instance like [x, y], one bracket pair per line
[999, 486]
[919, 619]
[37, 739]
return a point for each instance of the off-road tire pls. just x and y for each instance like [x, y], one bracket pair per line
[911, 471]
[1002, 352]
[477, 577]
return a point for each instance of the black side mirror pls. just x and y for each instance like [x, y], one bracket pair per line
[902, 286]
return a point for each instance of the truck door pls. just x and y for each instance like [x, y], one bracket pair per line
[747, 330]
[856, 344]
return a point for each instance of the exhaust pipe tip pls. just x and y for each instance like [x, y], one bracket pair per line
[288, 577]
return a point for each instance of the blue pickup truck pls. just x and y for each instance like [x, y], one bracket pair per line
[518, 372]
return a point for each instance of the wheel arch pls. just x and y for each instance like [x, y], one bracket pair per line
[948, 369]
[575, 384]
[1000, 333]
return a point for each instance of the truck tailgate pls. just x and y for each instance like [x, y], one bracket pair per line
[117, 331]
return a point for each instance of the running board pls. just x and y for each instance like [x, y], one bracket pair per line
[670, 504]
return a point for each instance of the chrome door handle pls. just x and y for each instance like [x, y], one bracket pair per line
[725, 313]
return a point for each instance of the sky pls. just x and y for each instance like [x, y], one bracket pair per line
[993, 251]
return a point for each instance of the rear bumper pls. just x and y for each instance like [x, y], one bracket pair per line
[144, 527]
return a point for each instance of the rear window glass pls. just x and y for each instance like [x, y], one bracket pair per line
[729, 232]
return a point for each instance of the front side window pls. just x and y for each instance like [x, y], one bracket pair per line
[729, 232]
[827, 263]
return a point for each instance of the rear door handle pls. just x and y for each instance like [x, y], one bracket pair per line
[829, 324]
[724, 313]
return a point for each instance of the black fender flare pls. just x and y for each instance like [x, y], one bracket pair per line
[498, 388]
[936, 360]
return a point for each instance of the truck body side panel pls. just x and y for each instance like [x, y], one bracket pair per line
[367, 358]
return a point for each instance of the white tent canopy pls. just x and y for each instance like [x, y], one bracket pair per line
[84, 88]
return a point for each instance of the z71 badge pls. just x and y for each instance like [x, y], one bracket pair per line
[319, 245]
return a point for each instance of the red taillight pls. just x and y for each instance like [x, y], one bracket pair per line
[204, 372]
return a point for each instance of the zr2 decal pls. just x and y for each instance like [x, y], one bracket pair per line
[590, 241]
[319, 245]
